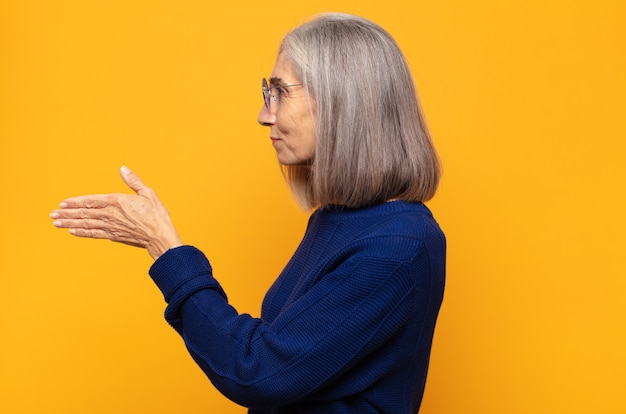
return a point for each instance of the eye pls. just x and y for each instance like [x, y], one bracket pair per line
[280, 91]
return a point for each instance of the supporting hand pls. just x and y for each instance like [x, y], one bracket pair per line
[135, 219]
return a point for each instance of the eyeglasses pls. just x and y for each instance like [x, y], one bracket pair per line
[268, 97]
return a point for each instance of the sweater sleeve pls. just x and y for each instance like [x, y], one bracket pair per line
[341, 318]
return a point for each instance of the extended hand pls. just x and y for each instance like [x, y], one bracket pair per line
[135, 219]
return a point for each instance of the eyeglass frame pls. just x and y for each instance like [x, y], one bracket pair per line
[268, 96]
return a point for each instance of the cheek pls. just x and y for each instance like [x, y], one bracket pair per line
[285, 122]
[307, 144]
[312, 132]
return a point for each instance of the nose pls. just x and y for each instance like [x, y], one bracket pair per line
[266, 117]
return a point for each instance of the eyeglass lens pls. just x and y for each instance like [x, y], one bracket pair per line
[266, 92]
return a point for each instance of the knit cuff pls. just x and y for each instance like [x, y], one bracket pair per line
[176, 267]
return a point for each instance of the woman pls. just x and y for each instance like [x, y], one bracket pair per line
[347, 326]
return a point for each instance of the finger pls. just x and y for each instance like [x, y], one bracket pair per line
[83, 213]
[134, 182]
[104, 234]
[82, 223]
[90, 233]
[100, 229]
[88, 201]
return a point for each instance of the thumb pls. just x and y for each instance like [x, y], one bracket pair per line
[133, 181]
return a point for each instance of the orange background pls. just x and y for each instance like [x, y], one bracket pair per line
[525, 100]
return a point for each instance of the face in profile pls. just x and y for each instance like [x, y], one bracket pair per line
[289, 112]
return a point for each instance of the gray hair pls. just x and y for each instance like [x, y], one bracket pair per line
[372, 144]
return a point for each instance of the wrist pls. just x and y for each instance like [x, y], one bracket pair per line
[161, 246]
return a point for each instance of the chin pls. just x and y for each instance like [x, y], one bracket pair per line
[292, 163]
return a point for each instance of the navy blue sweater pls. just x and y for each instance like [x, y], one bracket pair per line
[347, 327]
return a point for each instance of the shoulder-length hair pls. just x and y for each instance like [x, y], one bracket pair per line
[372, 144]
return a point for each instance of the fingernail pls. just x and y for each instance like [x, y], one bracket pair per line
[63, 204]
[125, 169]
[54, 215]
[57, 223]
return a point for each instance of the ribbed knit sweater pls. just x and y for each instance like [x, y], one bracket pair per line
[347, 326]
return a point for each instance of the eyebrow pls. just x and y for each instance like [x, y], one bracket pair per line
[276, 81]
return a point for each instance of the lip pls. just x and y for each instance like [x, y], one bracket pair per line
[274, 139]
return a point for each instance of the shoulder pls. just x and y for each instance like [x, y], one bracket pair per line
[395, 230]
